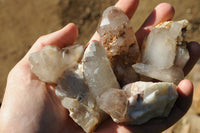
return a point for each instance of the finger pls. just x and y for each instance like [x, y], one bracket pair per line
[185, 91]
[194, 51]
[162, 12]
[64, 37]
[127, 6]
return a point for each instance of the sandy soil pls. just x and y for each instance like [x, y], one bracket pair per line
[23, 21]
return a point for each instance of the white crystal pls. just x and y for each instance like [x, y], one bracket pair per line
[76, 97]
[164, 51]
[97, 70]
[79, 89]
[151, 100]
[173, 74]
[89, 87]
[139, 102]
[50, 62]
[83, 114]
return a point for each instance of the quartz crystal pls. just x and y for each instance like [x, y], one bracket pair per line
[79, 84]
[97, 70]
[81, 103]
[88, 81]
[174, 74]
[169, 54]
[45, 62]
[80, 89]
[139, 102]
[118, 38]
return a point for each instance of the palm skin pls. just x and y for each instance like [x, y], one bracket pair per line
[31, 106]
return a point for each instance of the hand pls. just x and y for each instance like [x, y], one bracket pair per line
[30, 105]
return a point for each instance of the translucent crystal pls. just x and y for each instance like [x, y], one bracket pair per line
[182, 56]
[97, 70]
[172, 74]
[50, 62]
[87, 83]
[115, 103]
[80, 89]
[75, 96]
[71, 85]
[139, 102]
[164, 51]
[118, 38]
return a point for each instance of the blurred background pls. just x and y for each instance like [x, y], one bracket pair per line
[23, 21]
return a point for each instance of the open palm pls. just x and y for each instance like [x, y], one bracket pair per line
[31, 106]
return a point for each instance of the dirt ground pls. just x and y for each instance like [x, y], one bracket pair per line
[23, 21]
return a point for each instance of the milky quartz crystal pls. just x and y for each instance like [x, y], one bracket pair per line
[164, 52]
[45, 62]
[139, 102]
[118, 38]
[97, 70]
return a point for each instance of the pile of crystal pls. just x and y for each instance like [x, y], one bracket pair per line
[88, 81]
[170, 55]
[80, 83]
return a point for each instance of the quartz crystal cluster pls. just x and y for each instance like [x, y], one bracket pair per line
[104, 79]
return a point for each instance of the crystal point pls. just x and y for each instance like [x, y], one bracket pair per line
[50, 57]
[118, 38]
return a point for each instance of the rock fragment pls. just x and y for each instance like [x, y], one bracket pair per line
[80, 89]
[50, 62]
[76, 97]
[97, 70]
[165, 50]
[139, 102]
[118, 38]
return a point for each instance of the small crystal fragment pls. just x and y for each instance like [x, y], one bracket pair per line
[115, 103]
[50, 62]
[139, 102]
[75, 96]
[71, 85]
[164, 51]
[86, 116]
[118, 38]
[173, 74]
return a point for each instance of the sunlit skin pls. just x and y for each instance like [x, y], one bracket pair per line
[30, 106]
